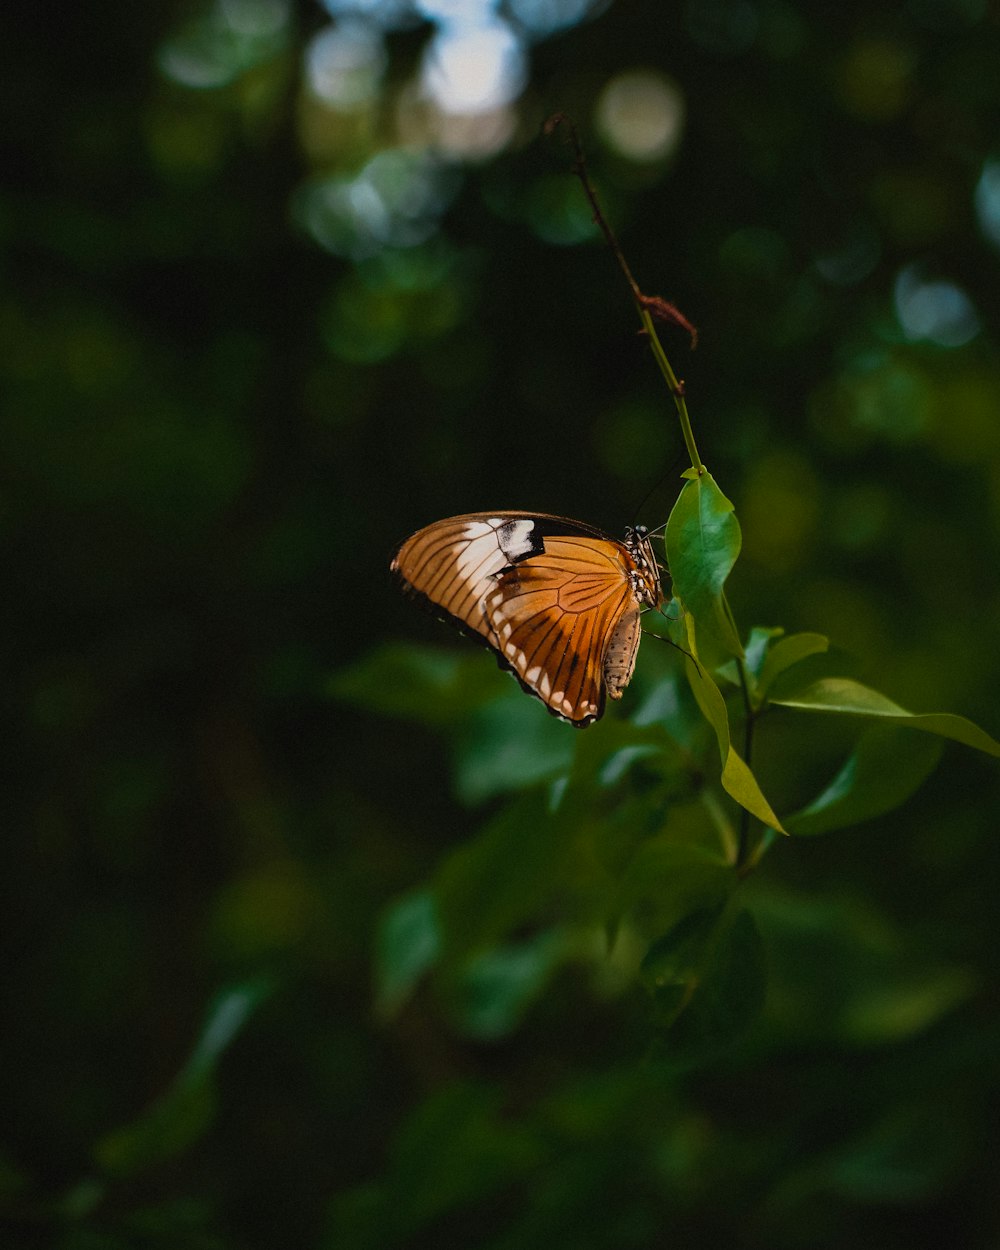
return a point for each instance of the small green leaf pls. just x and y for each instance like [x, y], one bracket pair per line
[176, 1120]
[227, 1015]
[886, 767]
[758, 647]
[702, 541]
[617, 765]
[165, 1130]
[495, 989]
[851, 698]
[408, 945]
[784, 654]
[607, 752]
[737, 779]
[756, 652]
[740, 784]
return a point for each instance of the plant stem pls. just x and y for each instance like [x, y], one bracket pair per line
[743, 847]
[676, 388]
[643, 303]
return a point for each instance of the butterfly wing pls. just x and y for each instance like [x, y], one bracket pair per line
[451, 565]
[554, 599]
[554, 617]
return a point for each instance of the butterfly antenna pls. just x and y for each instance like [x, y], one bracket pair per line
[647, 633]
[637, 511]
[677, 460]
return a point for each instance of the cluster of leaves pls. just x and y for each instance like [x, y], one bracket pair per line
[620, 846]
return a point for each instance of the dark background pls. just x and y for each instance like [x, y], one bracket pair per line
[224, 404]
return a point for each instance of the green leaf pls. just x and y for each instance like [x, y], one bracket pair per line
[707, 981]
[847, 697]
[408, 945]
[426, 684]
[456, 1147]
[670, 706]
[183, 1114]
[605, 754]
[702, 541]
[784, 654]
[494, 990]
[758, 647]
[459, 1147]
[843, 973]
[754, 656]
[673, 965]
[501, 879]
[509, 745]
[885, 768]
[737, 779]
[665, 881]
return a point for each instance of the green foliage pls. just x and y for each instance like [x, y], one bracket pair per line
[185, 1112]
[390, 958]
[882, 771]
[586, 847]
[851, 698]
[706, 980]
[703, 541]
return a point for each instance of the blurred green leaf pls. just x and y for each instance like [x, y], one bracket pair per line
[509, 744]
[670, 703]
[495, 988]
[171, 1126]
[183, 1114]
[842, 973]
[425, 684]
[501, 879]
[759, 645]
[851, 698]
[703, 540]
[407, 946]
[665, 881]
[885, 768]
[707, 981]
[786, 653]
[672, 966]
[457, 1146]
[902, 1158]
[612, 748]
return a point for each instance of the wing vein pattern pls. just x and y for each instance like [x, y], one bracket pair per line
[557, 601]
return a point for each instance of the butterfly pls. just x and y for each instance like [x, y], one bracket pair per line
[556, 600]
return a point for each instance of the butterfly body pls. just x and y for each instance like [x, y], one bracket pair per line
[556, 600]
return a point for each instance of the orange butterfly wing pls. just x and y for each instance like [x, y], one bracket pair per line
[555, 616]
[556, 600]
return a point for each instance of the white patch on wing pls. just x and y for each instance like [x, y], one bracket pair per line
[480, 559]
[514, 538]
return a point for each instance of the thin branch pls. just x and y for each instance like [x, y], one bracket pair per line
[647, 306]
